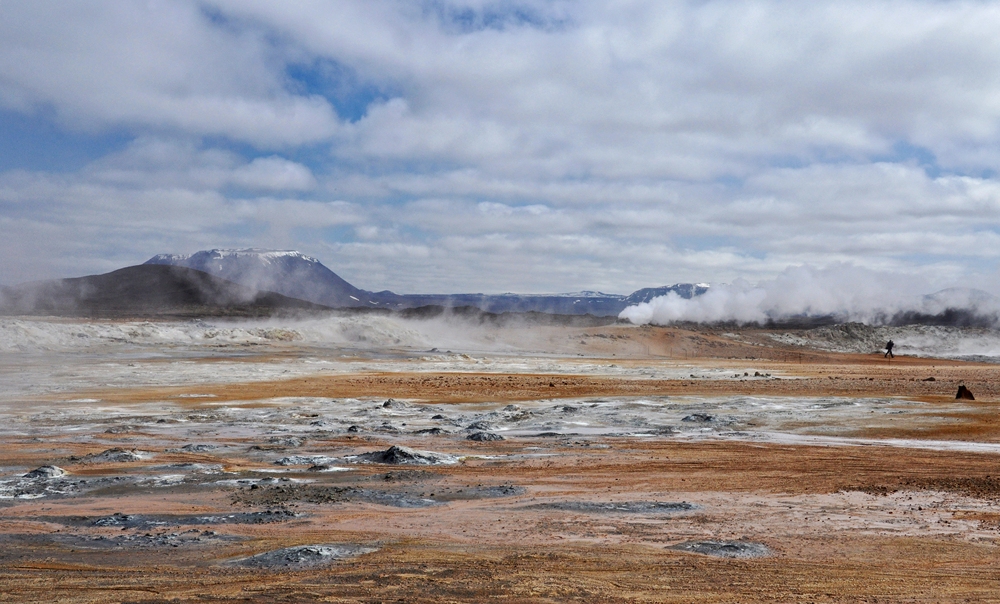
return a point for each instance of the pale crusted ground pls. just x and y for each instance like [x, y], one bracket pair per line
[890, 500]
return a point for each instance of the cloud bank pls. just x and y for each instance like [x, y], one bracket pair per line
[536, 145]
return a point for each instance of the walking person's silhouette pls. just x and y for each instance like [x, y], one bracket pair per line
[888, 350]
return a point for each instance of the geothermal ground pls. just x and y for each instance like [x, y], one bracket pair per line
[367, 459]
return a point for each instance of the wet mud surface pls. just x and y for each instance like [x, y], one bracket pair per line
[746, 470]
[303, 556]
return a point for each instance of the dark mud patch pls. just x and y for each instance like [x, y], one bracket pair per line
[431, 431]
[621, 507]
[406, 476]
[412, 497]
[724, 549]
[152, 521]
[189, 538]
[199, 448]
[304, 556]
[979, 487]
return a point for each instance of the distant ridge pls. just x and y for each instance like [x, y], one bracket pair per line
[145, 290]
[300, 276]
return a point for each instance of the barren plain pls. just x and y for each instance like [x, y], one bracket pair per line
[368, 459]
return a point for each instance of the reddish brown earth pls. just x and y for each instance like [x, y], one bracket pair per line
[843, 523]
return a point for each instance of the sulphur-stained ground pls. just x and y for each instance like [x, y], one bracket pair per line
[534, 464]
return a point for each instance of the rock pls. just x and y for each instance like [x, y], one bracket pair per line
[484, 436]
[46, 472]
[396, 455]
[699, 417]
[433, 431]
[480, 425]
[930, 379]
[964, 394]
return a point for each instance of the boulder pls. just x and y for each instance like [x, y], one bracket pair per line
[964, 394]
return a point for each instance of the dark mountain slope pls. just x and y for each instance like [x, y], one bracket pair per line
[141, 291]
[286, 272]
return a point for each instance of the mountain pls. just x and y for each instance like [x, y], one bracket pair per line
[299, 276]
[684, 290]
[143, 291]
[286, 272]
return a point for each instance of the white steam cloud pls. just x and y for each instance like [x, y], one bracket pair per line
[845, 292]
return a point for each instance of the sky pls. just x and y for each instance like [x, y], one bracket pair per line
[479, 146]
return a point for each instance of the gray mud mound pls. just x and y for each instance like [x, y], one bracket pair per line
[620, 507]
[484, 436]
[117, 455]
[703, 418]
[304, 556]
[396, 455]
[394, 404]
[199, 448]
[45, 472]
[481, 426]
[724, 549]
[306, 460]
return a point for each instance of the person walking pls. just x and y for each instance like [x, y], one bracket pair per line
[888, 350]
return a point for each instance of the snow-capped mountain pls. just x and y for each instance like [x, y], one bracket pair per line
[296, 275]
[286, 272]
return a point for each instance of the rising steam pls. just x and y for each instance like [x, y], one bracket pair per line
[841, 293]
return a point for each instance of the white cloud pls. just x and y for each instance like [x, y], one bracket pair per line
[160, 65]
[274, 173]
[602, 145]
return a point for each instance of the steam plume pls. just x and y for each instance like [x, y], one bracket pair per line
[842, 293]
